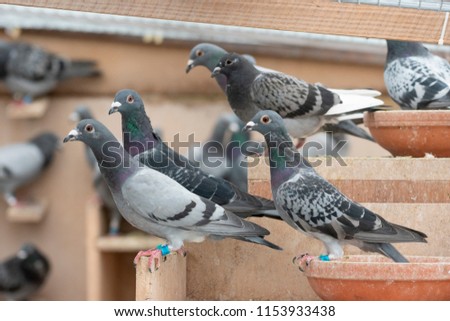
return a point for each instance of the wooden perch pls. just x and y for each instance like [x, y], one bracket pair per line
[166, 283]
[29, 213]
[33, 110]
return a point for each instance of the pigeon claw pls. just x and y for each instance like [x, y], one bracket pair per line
[303, 261]
[154, 255]
[181, 251]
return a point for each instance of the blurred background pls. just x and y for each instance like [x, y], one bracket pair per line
[149, 56]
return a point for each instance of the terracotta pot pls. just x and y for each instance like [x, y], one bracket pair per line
[411, 133]
[374, 277]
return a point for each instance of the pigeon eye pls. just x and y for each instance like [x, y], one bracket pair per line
[130, 99]
[89, 128]
[199, 53]
[228, 62]
[265, 119]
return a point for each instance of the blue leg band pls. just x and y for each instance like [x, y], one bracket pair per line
[164, 248]
[324, 257]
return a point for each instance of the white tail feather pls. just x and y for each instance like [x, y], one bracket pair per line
[352, 103]
[360, 92]
[351, 116]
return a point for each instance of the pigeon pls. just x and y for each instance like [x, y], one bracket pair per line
[23, 162]
[415, 78]
[23, 274]
[100, 185]
[155, 203]
[141, 141]
[209, 55]
[29, 71]
[305, 107]
[225, 146]
[310, 204]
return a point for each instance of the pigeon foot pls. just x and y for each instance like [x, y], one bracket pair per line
[303, 261]
[152, 254]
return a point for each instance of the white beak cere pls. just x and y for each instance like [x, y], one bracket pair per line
[116, 104]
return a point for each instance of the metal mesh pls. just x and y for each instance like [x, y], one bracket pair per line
[435, 5]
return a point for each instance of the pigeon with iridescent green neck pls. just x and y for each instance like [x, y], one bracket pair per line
[155, 203]
[310, 204]
[141, 141]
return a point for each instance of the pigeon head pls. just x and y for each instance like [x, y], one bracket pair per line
[266, 121]
[48, 143]
[204, 54]
[81, 112]
[229, 63]
[126, 101]
[398, 49]
[33, 262]
[91, 132]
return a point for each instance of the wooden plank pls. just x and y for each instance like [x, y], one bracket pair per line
[166, 283]
[367, 168]
[133, 242]
[378, 191]
[319, 16]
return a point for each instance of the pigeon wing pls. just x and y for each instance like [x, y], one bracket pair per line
[291, 97]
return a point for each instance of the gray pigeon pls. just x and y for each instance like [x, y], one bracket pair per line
[141, 142]
[225, 146]
[23, 162]
[23, 274]
[415, 78]
[304, 107]
[310, 204]
[155, 203]
[100, 185]
[209, 55]
[29, 71]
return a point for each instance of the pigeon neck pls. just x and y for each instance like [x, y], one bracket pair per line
[138, 135]
[222, 82]
[115, 164]
[399, 49]
[243, 79]
[284, 159]
[237, 141]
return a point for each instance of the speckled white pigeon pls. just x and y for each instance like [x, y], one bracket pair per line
[415, 78]
[312, 205]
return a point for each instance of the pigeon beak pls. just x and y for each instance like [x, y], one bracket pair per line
[215, 72]
[72, 135]
[114, 107]
[249, 127]
[75, 117]
[190, 65]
